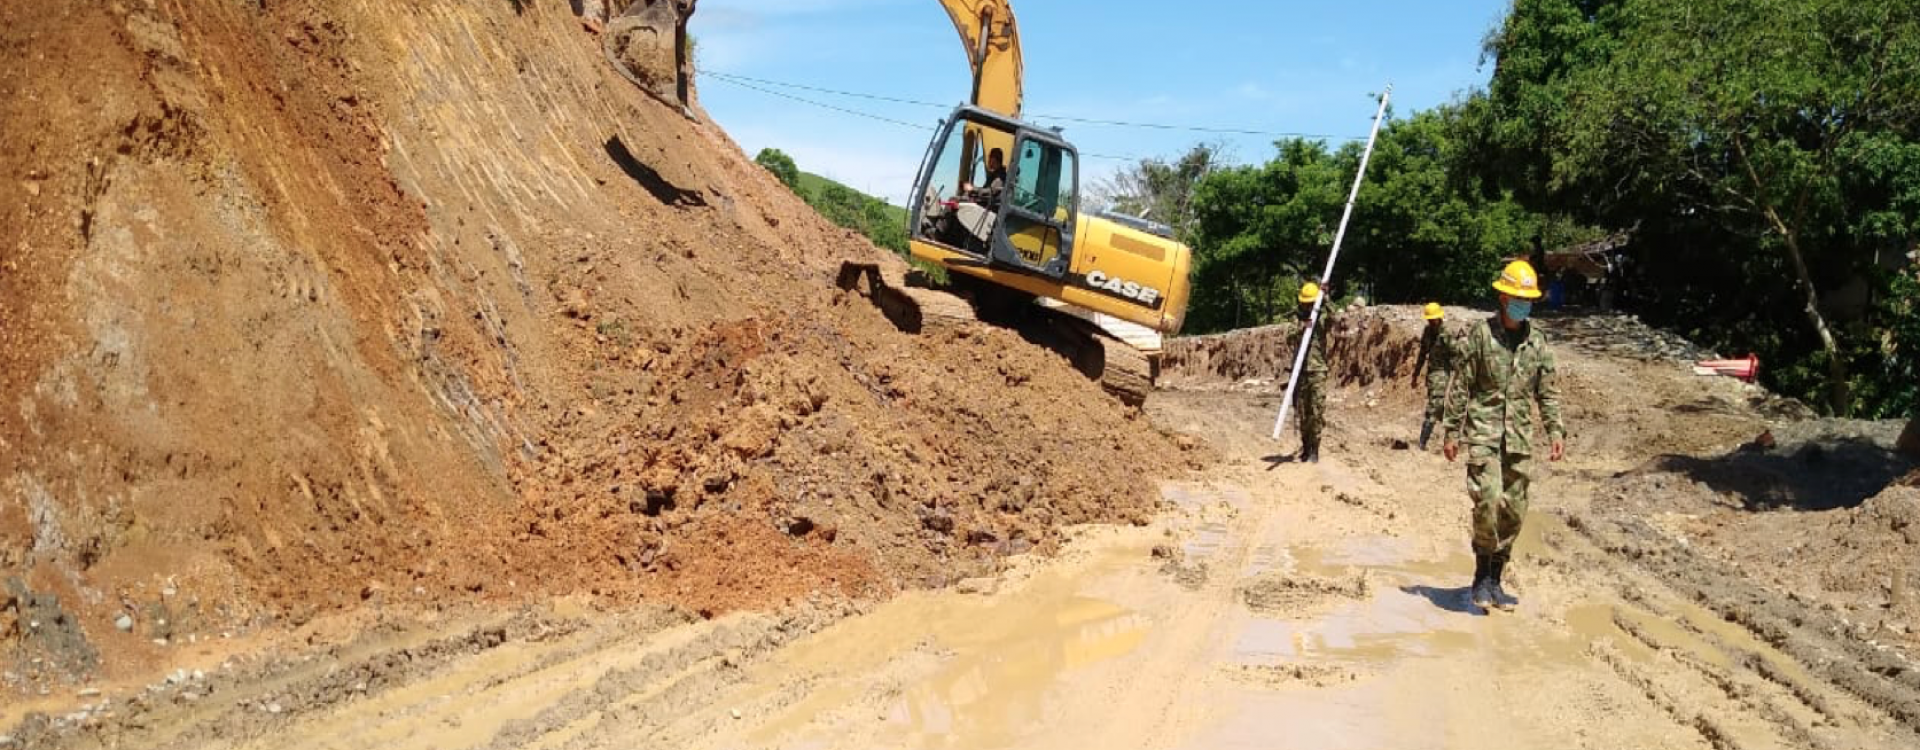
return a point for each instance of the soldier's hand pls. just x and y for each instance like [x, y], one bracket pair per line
[1452, 449]
[1559, 451]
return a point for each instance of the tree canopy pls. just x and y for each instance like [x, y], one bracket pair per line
[1761, 158]
[1420, 231]
[1765, 147]
[781, 165]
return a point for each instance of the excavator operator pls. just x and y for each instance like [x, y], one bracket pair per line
[996, 181]
[996, 173]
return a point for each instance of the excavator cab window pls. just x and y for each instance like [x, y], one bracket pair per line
[1039, 209]
[1025, 219]
[958, 202]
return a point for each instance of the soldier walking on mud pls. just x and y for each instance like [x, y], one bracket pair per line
[1436, 358]
[1310, 397]
[1501, 368]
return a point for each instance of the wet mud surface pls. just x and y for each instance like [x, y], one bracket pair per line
[1269, 605]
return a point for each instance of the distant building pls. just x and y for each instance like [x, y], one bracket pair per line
[1588, 272]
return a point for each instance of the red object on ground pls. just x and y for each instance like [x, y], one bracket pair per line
[1744, 369]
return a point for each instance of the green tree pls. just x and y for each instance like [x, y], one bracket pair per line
[781, 165]
[1422, 229]
[1161, 190]
[1736, 128]
[1421, 232]
[1257, 230]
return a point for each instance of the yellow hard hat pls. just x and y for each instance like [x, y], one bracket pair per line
[1309, 292]
[1519, 280]
[1433, 311]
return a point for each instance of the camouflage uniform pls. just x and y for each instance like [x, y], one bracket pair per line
[1310, 398]
[1497, 374]
[1438, 348]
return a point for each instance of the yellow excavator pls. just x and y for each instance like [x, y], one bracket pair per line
[997, 204]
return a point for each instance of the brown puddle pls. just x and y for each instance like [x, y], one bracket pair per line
[1390, 624]
[994, 690]
[1207, 504]
[1415, 607]
[1387, 558]
[968, 671]
[978, 670]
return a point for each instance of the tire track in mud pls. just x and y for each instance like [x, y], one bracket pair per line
[1709, 729]
[528, 681]
[1839, 671]
[253, 702]
[620, 691]
[1744, 724]
[638, 695]
[1154, 717]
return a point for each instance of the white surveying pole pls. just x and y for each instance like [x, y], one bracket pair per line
[1313, 319]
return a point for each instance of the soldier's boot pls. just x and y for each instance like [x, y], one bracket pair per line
[1498, 565]
[1481, 595]
[1426, 432]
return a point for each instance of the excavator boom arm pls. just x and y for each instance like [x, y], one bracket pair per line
[992, 40]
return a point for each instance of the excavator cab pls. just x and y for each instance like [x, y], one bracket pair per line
[1025, 222]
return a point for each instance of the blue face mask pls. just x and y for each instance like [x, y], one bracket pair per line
[1518, 310]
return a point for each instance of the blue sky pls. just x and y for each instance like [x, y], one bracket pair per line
[1300, 66]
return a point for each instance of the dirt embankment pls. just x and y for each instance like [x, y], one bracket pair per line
[1809, 509]
[312, 307]
[1368, 345]
[1821, 512]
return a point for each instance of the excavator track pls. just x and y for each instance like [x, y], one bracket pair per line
[1125, 371]
[1120, 369]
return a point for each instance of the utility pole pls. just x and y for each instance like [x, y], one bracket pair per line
[1326, 276]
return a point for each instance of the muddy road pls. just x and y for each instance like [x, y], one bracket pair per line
[1271, 604]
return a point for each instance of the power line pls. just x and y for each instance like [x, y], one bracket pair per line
[869, 115]
[823, 105]
[1193, 128]
[741, 80]
[836, 92]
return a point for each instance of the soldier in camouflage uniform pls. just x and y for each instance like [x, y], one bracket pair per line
[1501, 368]
[1437, 346]
[1310, 397]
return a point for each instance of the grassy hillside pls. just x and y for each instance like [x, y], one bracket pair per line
[880, 221]
[812, 186]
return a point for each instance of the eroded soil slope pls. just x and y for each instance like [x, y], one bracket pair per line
[309, 307]
[1271, 604]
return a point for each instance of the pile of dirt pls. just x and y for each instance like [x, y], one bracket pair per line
[1625, 337]
[1616, 404]
[313, 307]
[1367, 345]
[1824, 510]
